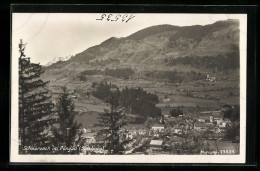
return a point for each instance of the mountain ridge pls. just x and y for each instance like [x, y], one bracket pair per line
[158, 42]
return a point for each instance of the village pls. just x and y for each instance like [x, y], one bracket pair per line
[203, 135]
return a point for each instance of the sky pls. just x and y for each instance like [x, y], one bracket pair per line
[50, 35]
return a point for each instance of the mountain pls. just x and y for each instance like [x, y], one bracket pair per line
[154, 44]
[57, 59]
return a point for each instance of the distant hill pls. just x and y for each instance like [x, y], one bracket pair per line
[152, 31]
[154, 46]
[57, 59]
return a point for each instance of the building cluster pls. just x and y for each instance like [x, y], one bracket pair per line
[211, 79]
[204, 134]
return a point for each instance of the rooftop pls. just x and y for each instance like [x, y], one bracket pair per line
[158, 126]
[156, 142]
[199, 124]
[88, 135]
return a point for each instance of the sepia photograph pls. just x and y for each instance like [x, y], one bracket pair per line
[128, 88]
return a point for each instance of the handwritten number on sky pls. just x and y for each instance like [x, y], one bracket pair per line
[111, 17]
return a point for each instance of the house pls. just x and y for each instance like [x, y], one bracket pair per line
[218, 120]
[199, 126]
[144, 141]
[159, 128]
[222, 124]
[209, 119]
[178, 129]
[211, 129]
[84, 130]
[129, 135]
[166, 100]
[222, 129]
[89, 137]
[156, 146]
[216, 136]
[48, 131]
[216, 113]
[217, 130]
[189, 120]
[211, 79]
[171, 119]
[166, 116]
[188, 126]
[201, 120]
[101, 139]
[206, 113]
[214, 129]
[142, 131]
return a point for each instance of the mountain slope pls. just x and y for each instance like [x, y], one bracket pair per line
[152, 45]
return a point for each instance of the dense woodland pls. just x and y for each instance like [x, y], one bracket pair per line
[232, 112]
[119, 72]
[135, 100]
[221, 62]
[104, 62]
[124, 73]
[175, 76]
[197, 32]
[176, 112]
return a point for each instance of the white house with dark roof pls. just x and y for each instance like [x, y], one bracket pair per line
[157, 128]
[156, 142]
[156, 146]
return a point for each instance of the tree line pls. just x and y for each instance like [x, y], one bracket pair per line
[135, 100]
[104, 62]
[124, 73]
[175, 76]
[176, 112]
[221, 62]
[119, 72]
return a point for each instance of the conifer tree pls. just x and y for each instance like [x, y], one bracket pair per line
[67, 134]
[34, 107]
[111, 122]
